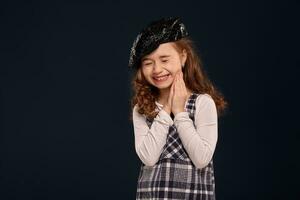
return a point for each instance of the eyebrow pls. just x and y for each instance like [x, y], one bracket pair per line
[163, 56]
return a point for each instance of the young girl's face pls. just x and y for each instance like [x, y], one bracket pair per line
[160, 66]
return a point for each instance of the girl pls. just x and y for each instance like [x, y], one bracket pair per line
[175, 111]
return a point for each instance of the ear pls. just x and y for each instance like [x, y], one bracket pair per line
[183, 57]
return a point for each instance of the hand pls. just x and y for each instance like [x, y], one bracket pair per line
[168, 106]
[180, 94]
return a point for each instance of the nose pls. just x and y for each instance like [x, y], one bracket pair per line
[157, 69]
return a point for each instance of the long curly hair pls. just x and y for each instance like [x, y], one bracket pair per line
[194, 76]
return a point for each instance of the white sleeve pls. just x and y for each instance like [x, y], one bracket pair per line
[149, 142]
[199, 140]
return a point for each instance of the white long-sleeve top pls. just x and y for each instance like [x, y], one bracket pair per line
[199, 141]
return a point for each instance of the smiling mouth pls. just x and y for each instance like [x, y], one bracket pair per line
[161, 78]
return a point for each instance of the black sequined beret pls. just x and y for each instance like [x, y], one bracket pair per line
[160, 31]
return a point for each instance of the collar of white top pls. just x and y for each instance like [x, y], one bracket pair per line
[160, 105]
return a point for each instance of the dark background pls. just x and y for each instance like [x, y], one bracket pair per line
[65, 95]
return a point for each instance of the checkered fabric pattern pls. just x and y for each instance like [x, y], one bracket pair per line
[174, 176]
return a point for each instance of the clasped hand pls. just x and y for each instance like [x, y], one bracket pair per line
[177, 95]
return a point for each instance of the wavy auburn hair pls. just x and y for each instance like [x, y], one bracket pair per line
[194, 77]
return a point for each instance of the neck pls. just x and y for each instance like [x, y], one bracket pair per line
[163, 96]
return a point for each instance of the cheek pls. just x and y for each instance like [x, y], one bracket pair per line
[147, 75]
[174, 68]
[145, 72]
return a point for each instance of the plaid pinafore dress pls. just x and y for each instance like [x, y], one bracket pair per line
[174, 176]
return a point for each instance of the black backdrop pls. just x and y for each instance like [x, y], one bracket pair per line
[65, 95]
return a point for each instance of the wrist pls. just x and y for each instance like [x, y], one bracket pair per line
[178, 111]
[167, 109]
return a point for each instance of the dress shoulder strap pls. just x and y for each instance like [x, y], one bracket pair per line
[191, 105]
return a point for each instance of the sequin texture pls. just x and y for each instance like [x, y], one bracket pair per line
[167, 29]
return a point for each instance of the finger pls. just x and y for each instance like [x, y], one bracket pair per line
[180, 82]
[181, 76]
[175, 85]
[178, 79]
[182, 87]
[178, 74]
[175, 77]
[172, 94]
[174, 82]
[172, 88]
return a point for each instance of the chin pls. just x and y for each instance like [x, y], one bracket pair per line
[163, 86]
